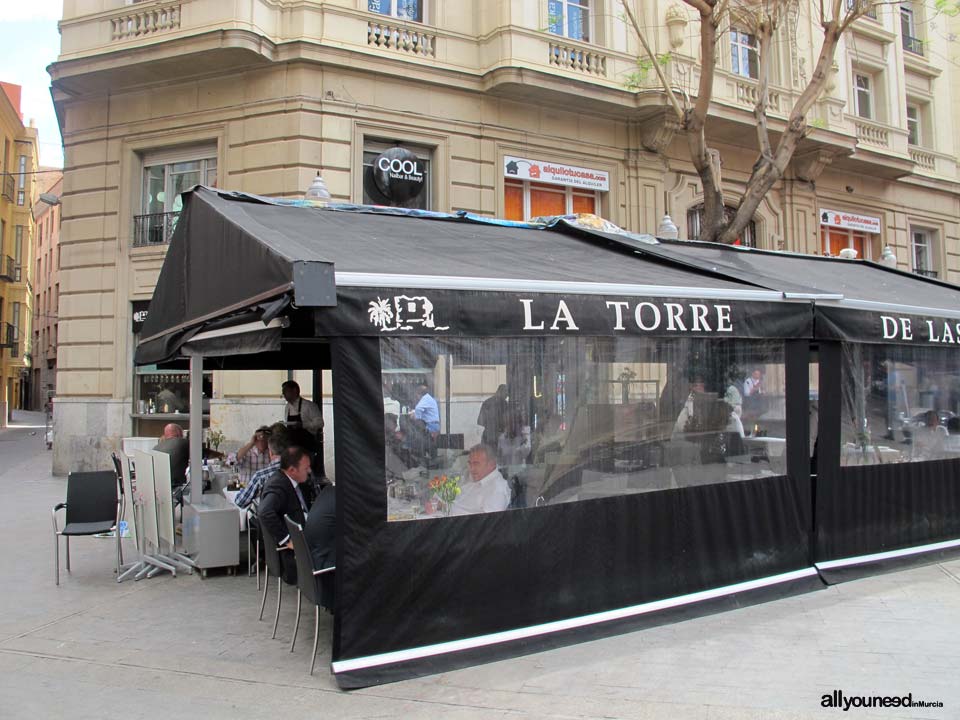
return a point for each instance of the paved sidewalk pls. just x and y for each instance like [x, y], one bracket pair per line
[186, 647]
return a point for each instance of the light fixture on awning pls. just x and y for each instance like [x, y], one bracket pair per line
[317, 190]
[668, 229]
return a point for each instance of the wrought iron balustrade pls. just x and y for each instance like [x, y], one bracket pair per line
[154, 228]
[925, 273]
[9, 186]
[913, 45]
[10, 338]
[9, 270]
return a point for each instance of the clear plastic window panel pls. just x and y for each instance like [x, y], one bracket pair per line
[900, 403]
[488, 425]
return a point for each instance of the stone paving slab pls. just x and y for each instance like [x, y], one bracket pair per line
[189, 647]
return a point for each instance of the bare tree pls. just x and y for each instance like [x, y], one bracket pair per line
[761, 18]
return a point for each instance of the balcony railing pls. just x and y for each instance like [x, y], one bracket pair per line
[871, 133]
[9, 186]
[571, 57]
[154, 229]
[748, 91]
[402, 39]
[913, 45]
[9, 270]
[925, 273]
[924, 160]
[10, 338]
[148, 21]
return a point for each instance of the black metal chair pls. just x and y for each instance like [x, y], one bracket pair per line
[271, 553]
[253, 540]
[310, 583]
[92, 507]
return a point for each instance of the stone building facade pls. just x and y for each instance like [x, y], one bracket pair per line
[514, 108]
[18, 165]
[46, 281]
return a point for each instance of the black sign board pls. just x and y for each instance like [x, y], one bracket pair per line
[392, 312]
[399, 174]
[139, 314]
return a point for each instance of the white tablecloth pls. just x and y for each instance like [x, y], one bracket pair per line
[231, 495]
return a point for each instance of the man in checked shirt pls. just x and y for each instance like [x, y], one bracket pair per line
[277, 442]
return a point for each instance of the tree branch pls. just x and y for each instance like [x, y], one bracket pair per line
[764, 59]
[671, 96]
[708, 63]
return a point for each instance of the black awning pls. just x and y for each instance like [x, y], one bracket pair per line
[223, 264]
[235, 258]
[855, 300]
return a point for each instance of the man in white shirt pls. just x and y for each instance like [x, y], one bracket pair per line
[753, 385]
[299, 411]
[487, 491]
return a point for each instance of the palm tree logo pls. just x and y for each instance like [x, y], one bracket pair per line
[380, 312]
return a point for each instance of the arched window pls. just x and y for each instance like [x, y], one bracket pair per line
[748, 237]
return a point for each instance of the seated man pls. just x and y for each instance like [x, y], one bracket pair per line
[486, 491]
[254, 455]
[174, 444]
[287, 493]
[277, 442]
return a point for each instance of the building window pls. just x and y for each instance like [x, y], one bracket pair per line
[161, 199]
[748, 238]
[863, 95]
[922, 251]
[415, 164]
[570, 18]
[22, 180]
[524, 200]
[403, 9]
[743, 53]
[913, 125]
[833, 240]
[15, 318]
[908, 30]
[18, 253]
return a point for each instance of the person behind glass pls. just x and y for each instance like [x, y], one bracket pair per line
[513, 445]
[174, 444]
[753, 385]
[427, 410]
[287, 493]
[493, 416]
[254, 455]
[929, 440]
[724, 406]
[486, 491]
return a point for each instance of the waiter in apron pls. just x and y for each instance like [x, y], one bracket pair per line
[304, 422]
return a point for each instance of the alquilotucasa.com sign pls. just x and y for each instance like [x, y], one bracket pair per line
[555, 173]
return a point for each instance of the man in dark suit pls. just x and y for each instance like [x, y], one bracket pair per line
[321, 534]
[174, 444]
[287, 493]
